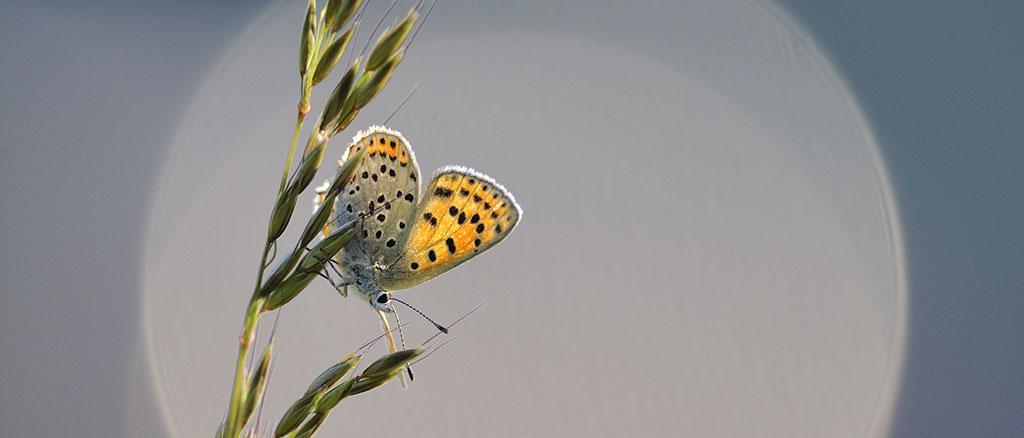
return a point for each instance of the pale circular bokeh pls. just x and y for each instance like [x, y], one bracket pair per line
[709, 245]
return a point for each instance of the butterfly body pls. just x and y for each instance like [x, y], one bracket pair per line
[404, 237]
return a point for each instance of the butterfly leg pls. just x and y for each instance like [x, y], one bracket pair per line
[342, 284]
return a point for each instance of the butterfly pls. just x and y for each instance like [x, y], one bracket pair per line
[403, 236]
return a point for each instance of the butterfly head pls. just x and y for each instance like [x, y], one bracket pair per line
[381, 300]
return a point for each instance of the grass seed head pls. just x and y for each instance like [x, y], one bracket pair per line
[346, 172]
[295, 414]
[347, 115]
[307, 39]
[370, 383]
[331, 56]
[288, 290]
[311, 160]
[392, 362]
[346, 9]
[316, 222]
[257, 384]
[282, 213]
[311, 425]
[372, 82]
[349, 109]
[332, 375]
[331, 13]
[315, 259]
[375, 80]
[340, 95]
[334, 396]
[390, 41]
[281, 271]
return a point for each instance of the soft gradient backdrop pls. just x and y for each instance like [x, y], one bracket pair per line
[95, 100]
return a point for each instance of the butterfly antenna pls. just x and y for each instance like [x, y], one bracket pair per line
[478, 306]
[400, 105]
[439, 326]
[401, 338]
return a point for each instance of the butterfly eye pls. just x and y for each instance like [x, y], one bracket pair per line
[381, 300]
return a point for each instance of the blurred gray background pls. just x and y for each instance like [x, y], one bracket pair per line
[95, 97]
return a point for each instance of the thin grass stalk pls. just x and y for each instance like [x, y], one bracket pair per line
[316, 38]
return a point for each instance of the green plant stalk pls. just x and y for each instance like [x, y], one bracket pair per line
[244, 341]
[307, 88]
[291, 149]
[253, 310]
[234, 423]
